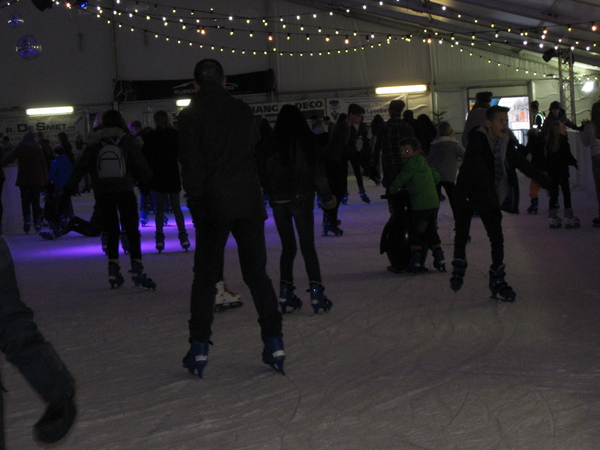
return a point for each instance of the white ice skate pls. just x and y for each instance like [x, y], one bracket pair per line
[226, 299]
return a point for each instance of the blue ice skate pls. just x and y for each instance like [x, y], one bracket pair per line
[196, 358]
[273, 353]
[499, 287]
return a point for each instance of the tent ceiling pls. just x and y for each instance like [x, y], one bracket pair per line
[542, 24]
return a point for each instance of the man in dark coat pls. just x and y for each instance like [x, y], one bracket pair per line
[486, 184]
[25, 348]
[217, 137]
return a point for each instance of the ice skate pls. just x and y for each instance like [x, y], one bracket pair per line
[345, 199]
[554, 221]
[124, 242]
[438, 259]
[596, 222]
[143, 218]
[287, 298]
[416, 256]
[114, 275]
[27, 224]
[499, 287]
[273, 353]
[196, 358]
[458, 273]
[318, 300]
[160, 241]
[327, 228]
[57, 420]
[571, 221]
[363, 196]
[184, 240]
[226, 299]
[533, 207]
[139, 278]
[103, 242]
[37, 226]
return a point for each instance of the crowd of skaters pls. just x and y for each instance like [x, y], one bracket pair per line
[226, 177]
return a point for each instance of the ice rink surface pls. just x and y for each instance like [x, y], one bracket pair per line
[400, 362]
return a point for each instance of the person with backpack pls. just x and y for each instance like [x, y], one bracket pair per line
[114, 161]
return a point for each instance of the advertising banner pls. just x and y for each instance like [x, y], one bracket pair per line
[136, 90]
[72, 124]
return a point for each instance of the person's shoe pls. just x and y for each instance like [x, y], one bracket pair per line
[533, 208]
[318, 300]
[287, 298]
[273, 353]
[438, 259]
[57, 420]
[226, 299]
[114, 275]
[363, 196]
[499, 286]
[124, 242]
[458, 273]
[184, 240]
[160, 241]
[103, 242]
[143, 218]
[196, 358]
[139, 277]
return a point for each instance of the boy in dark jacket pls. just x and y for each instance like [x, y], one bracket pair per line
[421, 181]
[484, 185]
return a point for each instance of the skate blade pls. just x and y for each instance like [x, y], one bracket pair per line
[227, 306]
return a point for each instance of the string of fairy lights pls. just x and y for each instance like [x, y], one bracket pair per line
[199, 26]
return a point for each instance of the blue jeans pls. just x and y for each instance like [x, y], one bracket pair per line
[209, 256]
[23, 345]
[299, 213]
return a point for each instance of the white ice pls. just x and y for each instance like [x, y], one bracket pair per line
[400, 362]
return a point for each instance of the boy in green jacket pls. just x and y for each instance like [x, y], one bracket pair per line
[420, 179]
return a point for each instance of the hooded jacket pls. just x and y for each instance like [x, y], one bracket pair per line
[420, 179]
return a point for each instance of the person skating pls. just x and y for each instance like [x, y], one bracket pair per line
[225, 197]
[292, 170]
[483, 185]
[114, 161]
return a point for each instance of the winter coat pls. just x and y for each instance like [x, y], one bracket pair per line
[33, 170]
[444, 154]
[420, 179]
[475, 185]
[160, 149]
[589, 139]
[135, 164]
[297, 181]
[217, 138]
[557, 164]
[60, 171]
[535, 146]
